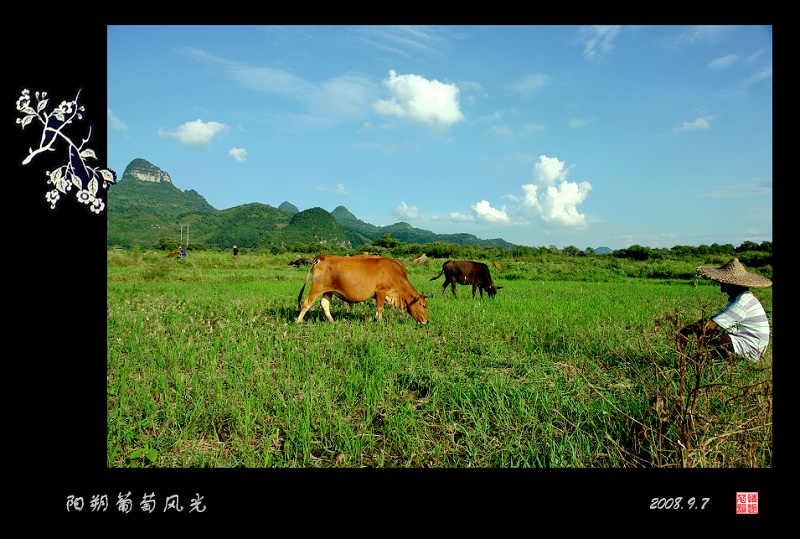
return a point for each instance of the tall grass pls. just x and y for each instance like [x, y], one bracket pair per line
[206, 368]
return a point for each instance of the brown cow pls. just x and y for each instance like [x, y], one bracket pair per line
[301, 262]
[176, 254]
[356, 279]
[466, 272]
[496, 265]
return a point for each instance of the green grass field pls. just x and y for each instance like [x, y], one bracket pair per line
[572, 365]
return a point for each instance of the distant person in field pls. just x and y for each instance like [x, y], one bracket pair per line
[741, 328]
[183, 251]
[235, 252]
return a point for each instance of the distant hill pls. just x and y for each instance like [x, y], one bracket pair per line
[249, 225]
[144, 206]
[145, 188]
[288, 207]
[314, 225]
[408, 234]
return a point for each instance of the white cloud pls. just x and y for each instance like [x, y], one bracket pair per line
[529, 85]
[485, 213]
[115, 123]
[577, 123]
[420, 100]
[404, 211]
[265, 79]
[500, 131]
[461, 217]
[196, 134]
[703, 33]
[700, 123]
[406, 41]
[340, 99]
[339, 190]
[598, 41]
[551, 198]
[742, 190]
[335, 100]
[240, 154]
[723, 61]
[763, 74]
[533, 127]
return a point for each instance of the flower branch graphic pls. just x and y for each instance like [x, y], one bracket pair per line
[76, 173]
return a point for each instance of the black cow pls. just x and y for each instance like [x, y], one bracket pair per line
[466, 272]
[301, 262]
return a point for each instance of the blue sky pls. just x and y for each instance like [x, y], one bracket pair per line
[586, 136]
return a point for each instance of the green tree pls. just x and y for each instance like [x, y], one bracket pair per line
[634, 252]
[724, 249]
[684, 250]
[387, 242]
[523, 252]
[747, 246]
[167, 244]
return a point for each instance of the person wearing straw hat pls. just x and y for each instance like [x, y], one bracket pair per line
[235, 252]
[742, 327]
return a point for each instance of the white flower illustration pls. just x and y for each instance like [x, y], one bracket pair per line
[76, 172]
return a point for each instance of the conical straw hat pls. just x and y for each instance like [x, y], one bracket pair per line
[733, 273]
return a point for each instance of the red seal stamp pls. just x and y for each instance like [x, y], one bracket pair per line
[747, 503]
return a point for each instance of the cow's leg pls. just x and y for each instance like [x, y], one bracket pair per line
[326, 304]
[473, 291]
[306, 305]
[379, 299]
[453, 286]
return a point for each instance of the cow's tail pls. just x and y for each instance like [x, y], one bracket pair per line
[440, 274]
[300, 295]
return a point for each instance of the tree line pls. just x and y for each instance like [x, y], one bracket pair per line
[760, 254]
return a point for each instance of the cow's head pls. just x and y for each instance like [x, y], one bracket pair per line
[418, 309]
[492, 290]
